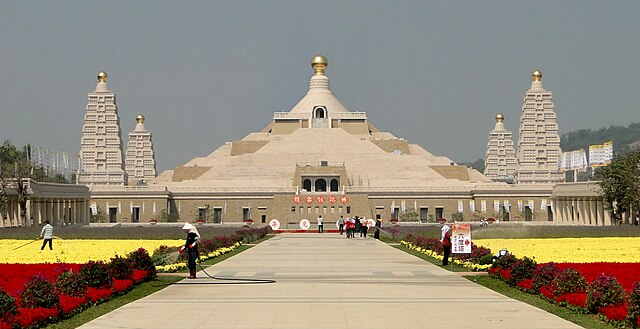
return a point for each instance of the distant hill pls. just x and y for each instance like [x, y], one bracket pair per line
[624, 139]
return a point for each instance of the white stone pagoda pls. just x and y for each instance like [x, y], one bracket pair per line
[538, 140]
[140, 163]
[500, 159]
[101, 146]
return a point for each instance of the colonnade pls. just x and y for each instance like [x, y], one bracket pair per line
[581, 211]
[59, 211]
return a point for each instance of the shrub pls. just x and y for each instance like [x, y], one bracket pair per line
[96, 274]
[569, 281]
[522, 269]
[544, 275]
[71, 284]
[38, 292]
[142, 261]
[120, 268]
[480, 252]
[8, 305]
[604, 291]
[485, 260]
[634, 305]
[504, 262]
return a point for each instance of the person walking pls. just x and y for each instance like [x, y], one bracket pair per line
[350, 227]
[341, 224]
[191, 245]
[47, 235]
[446, 244]
[376, 233]
[364, 226]
[320, 224]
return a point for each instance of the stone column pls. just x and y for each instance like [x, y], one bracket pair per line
[28, 213]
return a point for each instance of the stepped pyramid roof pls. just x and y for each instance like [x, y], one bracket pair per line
[318, 132]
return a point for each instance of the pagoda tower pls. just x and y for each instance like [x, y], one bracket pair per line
[140, 163]
[101, 147]
[538, 140]
[500, 159]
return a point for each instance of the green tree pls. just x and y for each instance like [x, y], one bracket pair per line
[620, 184]
[14, 173]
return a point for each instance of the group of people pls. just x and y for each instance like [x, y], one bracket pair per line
[355, 224]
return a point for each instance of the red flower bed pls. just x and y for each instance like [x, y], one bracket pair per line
[579, 299]
[139, 275]
[625, 273]
[16, 275]
[97, 294]
[122, 285]
[68, 304]
[31, 316]
[616, 313]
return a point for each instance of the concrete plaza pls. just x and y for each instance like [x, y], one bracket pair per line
[327, 281]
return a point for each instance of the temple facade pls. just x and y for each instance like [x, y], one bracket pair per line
[538, 138]
[500, 159]
[101, 161]
[140, 162]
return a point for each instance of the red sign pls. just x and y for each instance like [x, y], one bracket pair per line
[344, 199]
[308, 199]
[320, 199]
[297, 199]
[332, 199]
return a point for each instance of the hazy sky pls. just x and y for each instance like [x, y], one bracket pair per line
[204, 73]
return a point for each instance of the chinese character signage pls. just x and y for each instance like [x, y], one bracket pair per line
[461, 238]
[483, 205]
[496, 205]
[472, 205]
[460, 206]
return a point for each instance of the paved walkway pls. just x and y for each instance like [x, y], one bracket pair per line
[327, 281]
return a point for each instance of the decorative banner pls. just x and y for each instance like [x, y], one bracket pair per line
[297, 199]
[304, 224]
[472, 205]
[496, 205]
[94, 209]
[344, 199]
[275, 224]
[320, 199]
[460, 206]
[332, 199]
[573, 160]
[506, 204]
[520, 205]
[543, 204]
[461, 238]
[531, 204]
[308, 199]
[600, 154]
[403, 206]
[483, 205]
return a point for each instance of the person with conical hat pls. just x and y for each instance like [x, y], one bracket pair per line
[446, 243]
[191, 245]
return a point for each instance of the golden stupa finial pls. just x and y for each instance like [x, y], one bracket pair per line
[319, 64]
[536, 75]
[140, 118]
[102, 76]
[499, 118]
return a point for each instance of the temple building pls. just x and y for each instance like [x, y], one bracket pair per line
[538, 138]
[500, 159]
[101, 146]
[140, 163]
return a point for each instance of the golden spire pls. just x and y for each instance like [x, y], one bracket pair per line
[102, 76]
[319, 64]
[536, 75]
[140, 118]
[499, 118]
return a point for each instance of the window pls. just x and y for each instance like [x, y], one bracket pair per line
[306, 185]
[439, 212]
[424, 215]
[334, 185]
[246, 213]
[321, 185]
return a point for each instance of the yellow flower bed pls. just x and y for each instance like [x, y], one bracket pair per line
[179, 266]
[433, 254]
[570, 250]
[74, 251]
